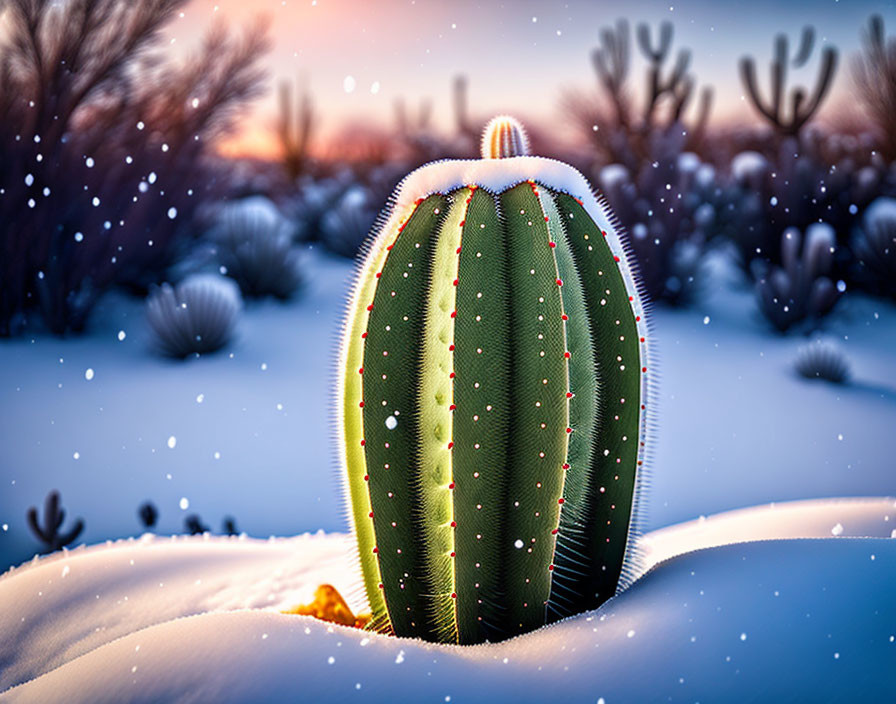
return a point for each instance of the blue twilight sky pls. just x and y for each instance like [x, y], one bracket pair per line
[358, 56]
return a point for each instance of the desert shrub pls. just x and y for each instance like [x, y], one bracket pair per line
[104, 148]
[195, 317]
[254, 245]
[821, 360]
[874, 245]
[798, 290]
[345, 226]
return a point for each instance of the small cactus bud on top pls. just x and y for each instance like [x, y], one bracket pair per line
[504, 137]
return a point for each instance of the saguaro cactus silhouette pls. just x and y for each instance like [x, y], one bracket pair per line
[49, 533]
[493, 390]
[801, 110]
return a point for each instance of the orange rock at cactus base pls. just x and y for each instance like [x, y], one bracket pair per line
[328, 605]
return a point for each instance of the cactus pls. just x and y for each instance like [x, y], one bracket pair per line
[801, 111]
[493, 391]
[54, 515]
[148, 514]
[800, 289]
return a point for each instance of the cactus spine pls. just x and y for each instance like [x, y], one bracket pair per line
[492, 383]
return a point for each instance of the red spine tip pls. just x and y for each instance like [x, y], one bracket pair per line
[451, 348]
[567, 355]
[550, 568]
[453, 595]
[370, 515]
[454, 314]
[568, 394]
[361, 404]
[559, 282]
[564, 317]
[364, 335]
[455, 282]
[450, 445]
[452, 554]
[370, 307]
[551, 244]
[451, 485]
[452, 407]
[363, 443]
[565, 466]
[615, 259]
[555, 531]
[366, 477]
[360, 370]
[451, 375]
[454, 524]
[561, 501]
[569, 430]
[379, 274]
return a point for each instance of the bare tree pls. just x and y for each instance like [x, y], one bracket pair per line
[874, 71]
[102, 147]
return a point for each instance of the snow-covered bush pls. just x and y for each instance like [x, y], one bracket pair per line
[821, 360]
[254, 246]
[799, 289]
[668, 208]
[345, 226]
[195, 317]
[874, 245]
[803, 180]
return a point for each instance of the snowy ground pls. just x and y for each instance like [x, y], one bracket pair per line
[784, 618]
[252, 435]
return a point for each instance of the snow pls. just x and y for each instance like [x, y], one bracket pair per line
[737, 427]
[197, 619]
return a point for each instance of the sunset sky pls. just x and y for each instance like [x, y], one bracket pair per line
[358, 57]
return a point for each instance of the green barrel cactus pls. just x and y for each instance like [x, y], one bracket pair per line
[492, 400]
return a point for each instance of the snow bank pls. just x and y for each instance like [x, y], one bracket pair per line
[197, 620]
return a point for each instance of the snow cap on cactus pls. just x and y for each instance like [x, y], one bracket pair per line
[492, 401]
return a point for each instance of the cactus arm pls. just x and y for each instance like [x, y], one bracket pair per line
[540, 422]
[825, 81]
[481, 421]
[352, 418]
[572, 540]
[35, 525]
[72, 535]
[436, 411]
[618, 452]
